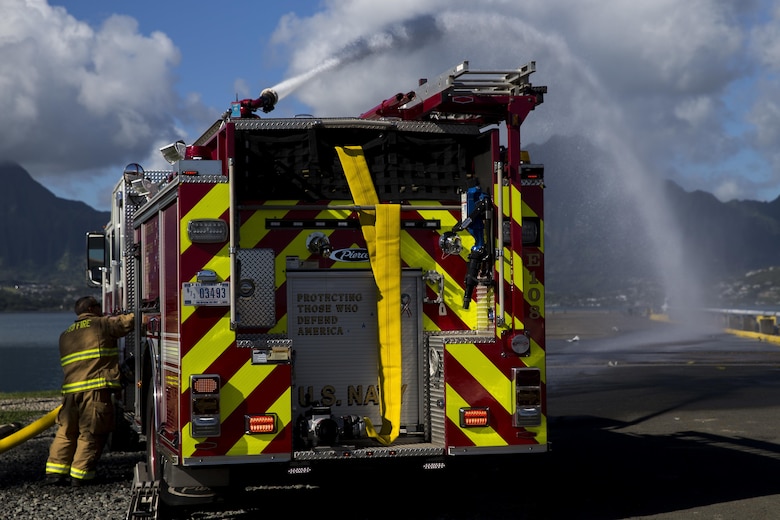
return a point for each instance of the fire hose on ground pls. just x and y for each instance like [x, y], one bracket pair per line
[29, 431]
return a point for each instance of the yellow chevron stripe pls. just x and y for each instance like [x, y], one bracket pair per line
[212, 205]
[485, 372]
[243, 382]
[233, 394]
[516, 202]
[254, 230]
[486, 436]
[220, 264]
[186, 312]
[518, 273]
[517, 282]
[528, 211]
[508, 259]
[429, 324]
[536, 358]
[207, 350]
[253, 444]
[413, 254]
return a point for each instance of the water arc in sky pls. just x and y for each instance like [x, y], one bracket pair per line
[600, 121]
[410, 34]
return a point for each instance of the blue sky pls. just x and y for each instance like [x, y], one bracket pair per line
[684, 90]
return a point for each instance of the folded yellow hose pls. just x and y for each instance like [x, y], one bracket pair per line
[381, 230]
[29, 431]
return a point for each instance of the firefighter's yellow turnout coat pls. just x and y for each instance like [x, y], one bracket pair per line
[90, 362]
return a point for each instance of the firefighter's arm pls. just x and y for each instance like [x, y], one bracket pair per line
[121, 324]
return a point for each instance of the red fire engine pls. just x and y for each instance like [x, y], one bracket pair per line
[329, 289]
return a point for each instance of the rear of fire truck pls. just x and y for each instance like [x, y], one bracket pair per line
[312, 291]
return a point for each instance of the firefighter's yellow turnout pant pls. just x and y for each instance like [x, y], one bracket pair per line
[84, 423]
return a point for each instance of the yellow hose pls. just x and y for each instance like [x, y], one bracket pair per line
[381, 230]
[29, 431]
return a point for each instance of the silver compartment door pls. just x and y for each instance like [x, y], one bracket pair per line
[332, 321]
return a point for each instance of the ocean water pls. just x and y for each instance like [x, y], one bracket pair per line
[29, 355]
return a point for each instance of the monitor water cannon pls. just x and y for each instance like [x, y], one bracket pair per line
[246, 108]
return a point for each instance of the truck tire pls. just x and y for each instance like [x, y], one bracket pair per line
[153, 462]
[123, 437]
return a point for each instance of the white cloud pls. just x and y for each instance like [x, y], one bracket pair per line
[663, 80]
[660, 75]
[78, 99]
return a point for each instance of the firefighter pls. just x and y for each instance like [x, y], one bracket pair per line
[90, 363]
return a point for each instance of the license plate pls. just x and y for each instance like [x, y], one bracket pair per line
[204, 294]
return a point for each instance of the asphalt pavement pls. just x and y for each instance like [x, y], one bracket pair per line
[664, 423]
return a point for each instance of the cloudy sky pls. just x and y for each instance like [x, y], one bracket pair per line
[687, 90]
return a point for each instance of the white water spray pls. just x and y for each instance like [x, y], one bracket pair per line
[288, 86]
[590, 113]
[602, 122]
[411, 33]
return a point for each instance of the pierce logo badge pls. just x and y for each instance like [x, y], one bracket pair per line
[358, 254]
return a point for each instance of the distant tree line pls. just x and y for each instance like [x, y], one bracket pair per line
[39, 298]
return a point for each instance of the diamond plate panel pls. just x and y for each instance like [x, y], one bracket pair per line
[255, 294]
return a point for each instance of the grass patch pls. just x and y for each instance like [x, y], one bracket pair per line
[27, 395]
[24, 416]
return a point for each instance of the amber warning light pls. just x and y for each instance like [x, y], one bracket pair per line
[205, 385]
[204, 405]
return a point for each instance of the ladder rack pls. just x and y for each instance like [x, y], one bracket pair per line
[484, 82]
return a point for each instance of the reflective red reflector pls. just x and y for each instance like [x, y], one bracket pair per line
[189, 172]
[265, 423]
[473, 417]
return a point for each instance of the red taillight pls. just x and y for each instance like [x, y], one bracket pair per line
[263, 423]
[473, 417]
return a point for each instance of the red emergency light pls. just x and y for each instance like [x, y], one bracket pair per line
[474, 417]
[261, 423]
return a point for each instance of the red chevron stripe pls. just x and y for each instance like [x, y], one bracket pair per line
[459, 378]
[226, 366]
[191, 194]
[197, 256]
[198, 325]
[259, 400]
[454, 436]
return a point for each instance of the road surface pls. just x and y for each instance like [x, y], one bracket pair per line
[647, 421]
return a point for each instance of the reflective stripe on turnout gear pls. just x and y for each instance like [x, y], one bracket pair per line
[85, 422]
[52, 468]
[89, 354]
[81, 474]
[90, 384]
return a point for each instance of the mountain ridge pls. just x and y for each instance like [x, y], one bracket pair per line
[595, 241]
